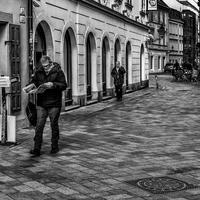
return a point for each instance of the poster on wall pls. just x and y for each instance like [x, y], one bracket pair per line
[152, 4]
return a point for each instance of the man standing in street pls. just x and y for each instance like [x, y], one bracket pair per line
[118, 75]
[49, 102]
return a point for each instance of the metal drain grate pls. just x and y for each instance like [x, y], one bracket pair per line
[161, 185]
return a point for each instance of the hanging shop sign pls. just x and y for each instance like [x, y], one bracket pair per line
[22, 17]
[152, 4]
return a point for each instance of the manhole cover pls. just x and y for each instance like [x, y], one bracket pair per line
[161, 185]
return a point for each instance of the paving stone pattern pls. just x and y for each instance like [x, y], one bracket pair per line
[151, 133]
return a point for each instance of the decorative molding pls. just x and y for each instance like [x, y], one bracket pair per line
[103, 2]
[56, 6]
[119, 16]
[119, 2]
[6, 17]
[128, 5]
[142, 13]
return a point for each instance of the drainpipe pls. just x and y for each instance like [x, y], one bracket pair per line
[198, 44]
[30, 36]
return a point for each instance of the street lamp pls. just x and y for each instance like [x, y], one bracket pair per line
[150, 37]
[161, 31]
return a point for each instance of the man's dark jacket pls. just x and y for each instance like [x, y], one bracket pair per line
[118, 76]
[51, 97]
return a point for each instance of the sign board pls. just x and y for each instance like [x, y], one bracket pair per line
[152, 4]
[11, 128]
[4, 81]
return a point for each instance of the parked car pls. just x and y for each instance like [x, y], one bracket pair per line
[168, 67]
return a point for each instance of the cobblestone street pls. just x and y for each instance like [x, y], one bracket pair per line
[151, 133]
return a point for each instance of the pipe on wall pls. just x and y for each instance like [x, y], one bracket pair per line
[30, 36]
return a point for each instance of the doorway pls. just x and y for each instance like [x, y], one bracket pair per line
[104, 68]
[89, 70]
[40, 45]
[91, 67]
[142, 65]
[68, 68]
[117, 56]
[163, 62]
[105, 65]
[128, 62]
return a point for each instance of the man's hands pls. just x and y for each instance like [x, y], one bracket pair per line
[48, 85]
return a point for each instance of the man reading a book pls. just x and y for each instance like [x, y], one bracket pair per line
[49, 102]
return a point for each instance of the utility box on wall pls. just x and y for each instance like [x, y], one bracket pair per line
[11, 128]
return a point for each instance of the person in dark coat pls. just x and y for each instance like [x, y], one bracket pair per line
[49, 102]
[176, 65]
[118, 75]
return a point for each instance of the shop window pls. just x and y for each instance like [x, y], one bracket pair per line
[143, 5]
[151, 64]
[158, 62]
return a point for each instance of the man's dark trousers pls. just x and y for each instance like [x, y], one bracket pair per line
[118, 89]
[42, 114]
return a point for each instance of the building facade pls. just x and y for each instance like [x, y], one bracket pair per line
[190, 36]
[190, 31]
[181, 33]
[85, 38]
[175, 47]
[158, 48]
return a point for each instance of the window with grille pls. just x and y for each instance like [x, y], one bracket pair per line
[143, 5]
[14, 38]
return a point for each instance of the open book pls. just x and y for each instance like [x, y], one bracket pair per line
[30, 89]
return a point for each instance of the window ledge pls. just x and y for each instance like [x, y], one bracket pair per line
[128, 5]
[142, 13]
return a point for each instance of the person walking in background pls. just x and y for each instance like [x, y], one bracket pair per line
[176, 65]
[49, 103]
[118, 75]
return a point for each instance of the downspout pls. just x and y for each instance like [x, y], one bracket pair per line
[30, 36]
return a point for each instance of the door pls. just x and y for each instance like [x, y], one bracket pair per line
[142, 65]
[117, 56]
[163, 63]
[104, 68]
[158, 62]
[89, 79]
[127, 62]
[40, 45]
[68, 96]
[116, 52]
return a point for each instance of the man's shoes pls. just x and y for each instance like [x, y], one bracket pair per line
[35, 152]
[54, 150]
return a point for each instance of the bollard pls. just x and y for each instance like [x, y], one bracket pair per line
[156, 81]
